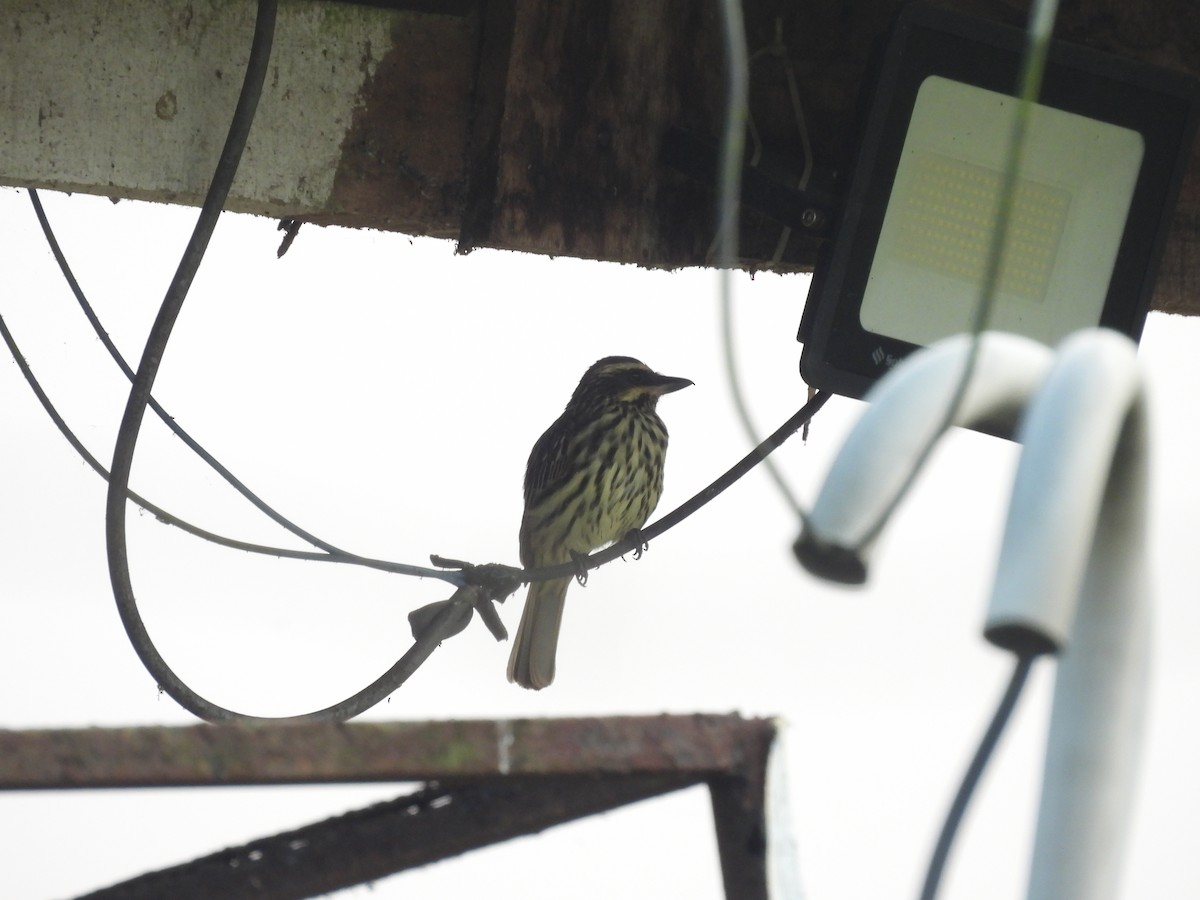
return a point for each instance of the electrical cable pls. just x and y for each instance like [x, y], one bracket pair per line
[447, 619]
[760, 453]
[97, 467]
[169, 518]
[439, 628]
[162, 414]
[1041, 23]
[330, 554]
[739, 402]
[733, 139]
[139, 396]
[793, 424]
[991, 737]
[733, 144]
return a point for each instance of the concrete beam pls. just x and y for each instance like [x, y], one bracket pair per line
[134, 100]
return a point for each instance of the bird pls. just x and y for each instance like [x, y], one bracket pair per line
[592, 478]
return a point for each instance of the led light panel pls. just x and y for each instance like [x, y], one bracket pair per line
[1105, 151]
[944, 222]
[1077, 178]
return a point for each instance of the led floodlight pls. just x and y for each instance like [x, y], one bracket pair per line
[1106, 148]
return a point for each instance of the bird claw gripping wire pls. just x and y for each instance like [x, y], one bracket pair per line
[581, 572]
[639, 546]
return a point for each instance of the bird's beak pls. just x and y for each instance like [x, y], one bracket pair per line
[665, 384]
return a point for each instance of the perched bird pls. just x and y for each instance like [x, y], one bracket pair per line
[592, 478]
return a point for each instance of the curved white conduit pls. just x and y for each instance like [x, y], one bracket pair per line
[906, 409]
[1071, 577]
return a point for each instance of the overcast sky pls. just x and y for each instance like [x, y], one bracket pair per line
[384, 394]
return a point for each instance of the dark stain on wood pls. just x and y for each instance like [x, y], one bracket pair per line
[402, 166]
[536, 125]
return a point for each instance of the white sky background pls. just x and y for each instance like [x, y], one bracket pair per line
[384, 394]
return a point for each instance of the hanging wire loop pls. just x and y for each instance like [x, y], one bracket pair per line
[440, 626]
[156, 343]
[478, 588]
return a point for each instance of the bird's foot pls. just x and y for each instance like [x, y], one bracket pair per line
[581, 574]
[639, 546]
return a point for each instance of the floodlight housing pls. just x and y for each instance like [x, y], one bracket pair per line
[1106, 148]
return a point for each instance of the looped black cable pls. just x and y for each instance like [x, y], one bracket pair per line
[139, 398]
[457, 579]
[487, 583]
[479, 587]
[329, 553]
[192, 444]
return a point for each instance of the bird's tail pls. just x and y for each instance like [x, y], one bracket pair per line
[531, 664]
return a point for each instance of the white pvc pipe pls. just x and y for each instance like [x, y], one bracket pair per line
[1068, 434]
[905, 409]
[1071, 576]
[1072, 566]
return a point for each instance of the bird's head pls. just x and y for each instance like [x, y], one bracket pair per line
[627, 379]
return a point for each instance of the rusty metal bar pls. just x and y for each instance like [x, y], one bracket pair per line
[738, 813]
[369, 844]
[492, 780]
[394, 751]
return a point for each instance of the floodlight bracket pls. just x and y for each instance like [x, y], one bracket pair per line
[766, 188]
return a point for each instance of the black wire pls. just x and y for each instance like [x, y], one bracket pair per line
[991, 737]
[139, 395]
[441, 625]
[330, 554]
[167, 419]
[335, 554]
[170, 519]
[140, 398]
[96, 466]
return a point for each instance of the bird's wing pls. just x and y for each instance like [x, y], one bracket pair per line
[548, 461]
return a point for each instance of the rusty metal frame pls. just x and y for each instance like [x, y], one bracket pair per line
[485, 781]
